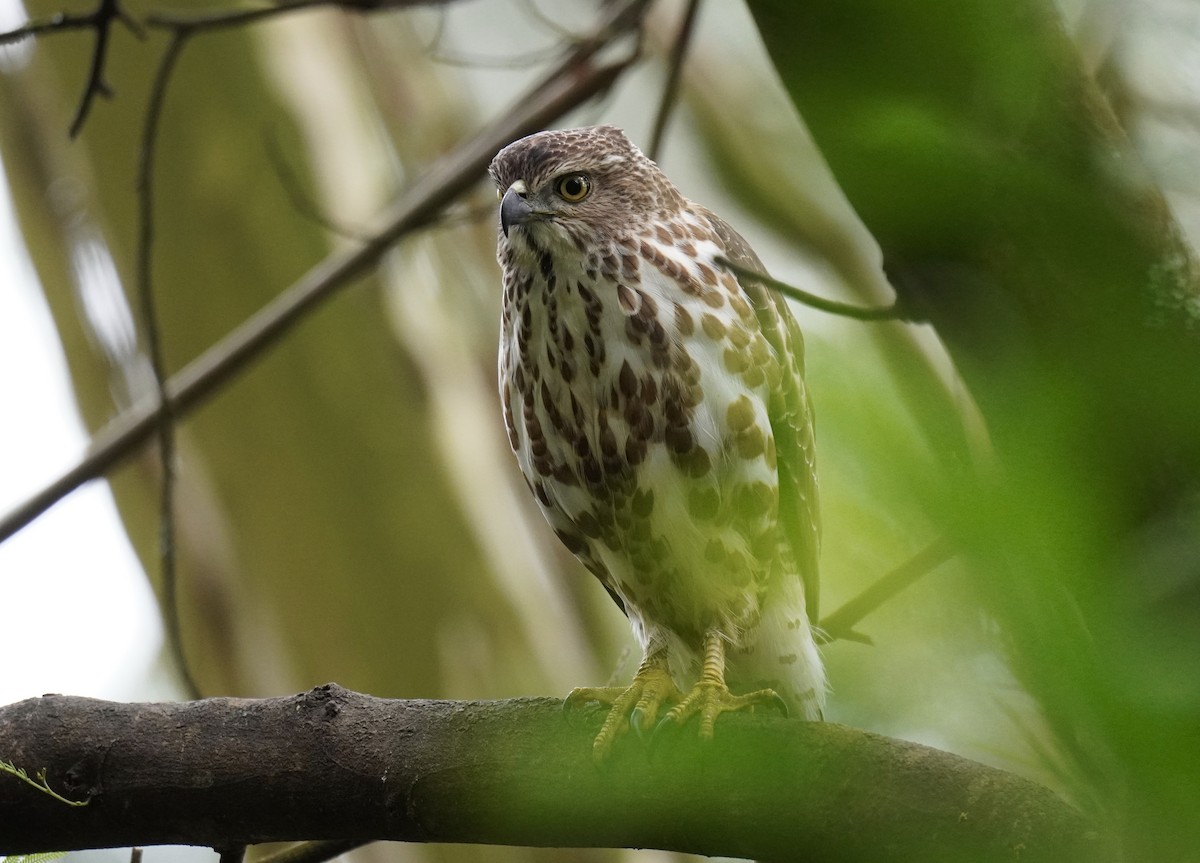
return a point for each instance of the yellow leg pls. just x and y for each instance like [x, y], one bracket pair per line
[710, 697]
[637, 704]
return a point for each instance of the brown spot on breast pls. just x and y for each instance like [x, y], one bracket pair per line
[628, 299]
[649, 306]
[713, 326]
[755, 499]
[684, 324]
[759, 350]
[591, 470]
[751, 442]
[740, 414]
[697, 462]
[608, 445]
[714, 551]
[788, 659]
[713, 298]
[640, 423]
[581, 446]
[573, 541]
[679, 438]
[630, 268]
[754, 377]
[587, 524]
[642, 502]
[627, 380]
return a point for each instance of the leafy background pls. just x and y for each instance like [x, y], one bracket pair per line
[348, 509]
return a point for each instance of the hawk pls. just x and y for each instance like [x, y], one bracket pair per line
[658, 411]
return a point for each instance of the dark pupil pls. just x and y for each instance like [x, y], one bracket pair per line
[573, 187]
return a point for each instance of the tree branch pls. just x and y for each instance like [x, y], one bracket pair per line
[334, 764]
[579, 77]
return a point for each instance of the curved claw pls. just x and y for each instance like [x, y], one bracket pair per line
[637, 721]
[776, 701]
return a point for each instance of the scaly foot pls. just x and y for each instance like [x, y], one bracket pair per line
[710, 697]
[636, 705]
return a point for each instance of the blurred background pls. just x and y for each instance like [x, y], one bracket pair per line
[348, 508]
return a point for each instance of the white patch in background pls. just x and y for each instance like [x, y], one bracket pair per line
[78, 615]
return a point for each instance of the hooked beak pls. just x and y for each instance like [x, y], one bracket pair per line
[514, 209]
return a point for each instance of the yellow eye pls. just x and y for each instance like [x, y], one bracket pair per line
[573, 188]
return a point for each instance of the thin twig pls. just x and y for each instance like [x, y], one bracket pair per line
[60, 23]
[201, 21]
[164, 415]
[840, 624]
[893, 312]
[100, 20]
[103, 18]
[670, 93]
[579, 77]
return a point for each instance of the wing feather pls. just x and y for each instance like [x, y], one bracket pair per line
[791, 417]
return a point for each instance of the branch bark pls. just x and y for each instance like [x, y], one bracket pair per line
[334, 764]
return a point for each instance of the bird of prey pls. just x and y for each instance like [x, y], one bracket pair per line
[658, 411]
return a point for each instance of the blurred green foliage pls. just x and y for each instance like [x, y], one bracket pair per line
[1013, 214]
[348, 510]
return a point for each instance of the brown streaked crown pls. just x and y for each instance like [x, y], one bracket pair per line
[628, 188]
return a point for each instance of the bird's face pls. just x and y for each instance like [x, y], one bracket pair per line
[573, 193]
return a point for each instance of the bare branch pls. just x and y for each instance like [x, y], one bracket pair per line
[577, 78]
[840, 624]
[164, 415]
[195, 22]
[106, 14]
[101, 20]
[333, 764]
[670, 94]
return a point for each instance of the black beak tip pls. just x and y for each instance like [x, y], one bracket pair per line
[514, 210]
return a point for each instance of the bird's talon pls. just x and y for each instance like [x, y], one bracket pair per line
[776, 700]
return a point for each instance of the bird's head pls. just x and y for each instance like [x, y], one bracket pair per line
[576, 191]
